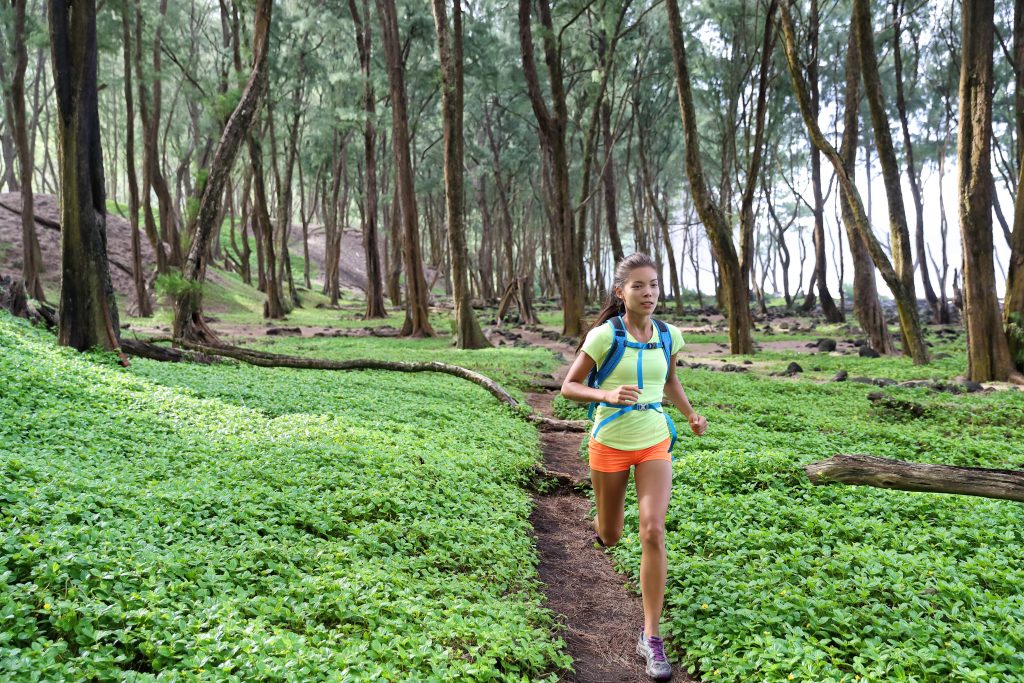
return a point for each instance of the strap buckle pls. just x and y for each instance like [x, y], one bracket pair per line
[641, 406]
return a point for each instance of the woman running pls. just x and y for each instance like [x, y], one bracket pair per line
[626, 366]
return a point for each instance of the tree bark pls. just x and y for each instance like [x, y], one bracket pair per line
[866, 305]
[450, 53]
[828, 305]
[898, 7]
[905, 302]
[1013, 306]
[374, 278]
[900, 232]
[868, 470]
[747, 217]
[143, 303]
[553, 128]
[417, 322]
[608, 179]
[88, 311]
[32, 260]
[188, 307]
[272, 308]
[988, 353]
[734, 285]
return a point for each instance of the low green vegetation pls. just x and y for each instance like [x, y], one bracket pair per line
[224, 522]
[773, 579]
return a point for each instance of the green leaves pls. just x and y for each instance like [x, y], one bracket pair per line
[244, 524]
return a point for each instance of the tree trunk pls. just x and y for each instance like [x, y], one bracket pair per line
[608, 180]
[866, 305]
[553, 128]
[88, 311]
[417, 323]
[988, 353]
[374, 279]
[32, 260]
[188, 306]
[734, 285]
[272, 308]
[143, 303]
[747, 217]
[1013, 306]
[828, 305]
[905, 302]
[450, 54]
[868, 470]
[901, 244]
[898, 8]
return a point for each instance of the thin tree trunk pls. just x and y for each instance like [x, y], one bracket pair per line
[88, 312]
[32, 260]
[747, 217]
[188, 308]
[901, 244]
[866, 305]
[272, 308]
[734, 285]
[374, 280]
[828, 305]
[450, 54]
[553, 128]
[417, 323]
[143, 303]
[898, 7]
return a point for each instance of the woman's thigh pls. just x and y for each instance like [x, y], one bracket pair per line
[610, 497]
[653, 490]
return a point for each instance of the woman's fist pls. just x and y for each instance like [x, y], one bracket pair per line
[698, 424]
[625, 395]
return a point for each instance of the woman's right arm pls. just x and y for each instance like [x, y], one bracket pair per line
[574, 386]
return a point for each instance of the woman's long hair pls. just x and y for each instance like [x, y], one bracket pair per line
[615, 306]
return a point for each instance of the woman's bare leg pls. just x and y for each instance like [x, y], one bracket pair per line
[653, 490]
[610, 499]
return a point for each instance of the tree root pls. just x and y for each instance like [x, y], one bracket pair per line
[273, 360]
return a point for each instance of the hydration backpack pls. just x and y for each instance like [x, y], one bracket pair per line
[599, 374]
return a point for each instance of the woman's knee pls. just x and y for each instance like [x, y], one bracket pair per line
[609, 533]
[652, 532]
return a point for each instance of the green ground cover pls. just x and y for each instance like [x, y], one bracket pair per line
[772, 579]
[233, 523]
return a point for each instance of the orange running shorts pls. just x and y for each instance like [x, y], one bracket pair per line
[607, 459]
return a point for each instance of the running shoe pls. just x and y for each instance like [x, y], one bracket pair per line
[653, 651]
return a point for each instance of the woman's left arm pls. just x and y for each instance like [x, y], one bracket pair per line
[676, 395]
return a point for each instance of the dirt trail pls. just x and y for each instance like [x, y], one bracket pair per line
[601, 614]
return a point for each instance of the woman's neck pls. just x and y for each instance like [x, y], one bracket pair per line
[638, 324]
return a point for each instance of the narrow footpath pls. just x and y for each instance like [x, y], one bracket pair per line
[601, 615]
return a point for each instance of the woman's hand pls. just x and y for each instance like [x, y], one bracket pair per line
[626, 395]
[698, 424]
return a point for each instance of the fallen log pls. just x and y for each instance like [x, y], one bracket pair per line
[869, 470]
[274, 360]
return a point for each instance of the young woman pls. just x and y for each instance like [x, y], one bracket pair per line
[631, 430]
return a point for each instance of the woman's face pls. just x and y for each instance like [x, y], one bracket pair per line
[640, 291]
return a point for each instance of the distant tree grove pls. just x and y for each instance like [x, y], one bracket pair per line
[510, 150]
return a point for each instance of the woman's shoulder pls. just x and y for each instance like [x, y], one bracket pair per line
[676, 334]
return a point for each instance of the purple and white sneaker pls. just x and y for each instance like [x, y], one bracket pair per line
[653, 651]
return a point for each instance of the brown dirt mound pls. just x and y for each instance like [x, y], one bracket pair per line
[119, 247]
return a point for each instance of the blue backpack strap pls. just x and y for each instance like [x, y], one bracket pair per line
[597, 374]
[665, 335]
